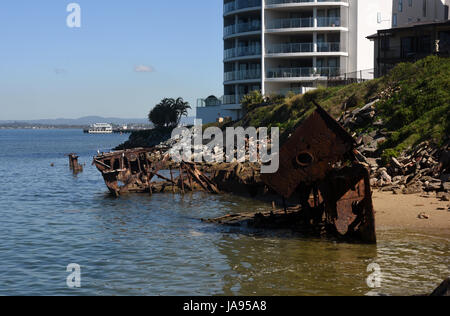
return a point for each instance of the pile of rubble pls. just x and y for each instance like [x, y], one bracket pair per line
[422, 169]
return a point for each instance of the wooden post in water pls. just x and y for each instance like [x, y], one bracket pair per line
[190, 181]
[171, 179]
[182, 180]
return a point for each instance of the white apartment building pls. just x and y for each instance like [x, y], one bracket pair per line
[282, 46]
[277, 46]
[409, 12]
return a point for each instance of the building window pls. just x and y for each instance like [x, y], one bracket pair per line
[394, 20]
[410, 3]
[385, 43]
[424, 8]
[400, 5]
[446, 12]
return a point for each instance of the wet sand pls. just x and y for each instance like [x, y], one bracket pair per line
[402, 212]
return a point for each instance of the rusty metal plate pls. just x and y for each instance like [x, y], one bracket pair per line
[347, 207]
[309, 153]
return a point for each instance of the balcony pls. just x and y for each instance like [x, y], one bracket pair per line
[304, 72]
[252, 26]
[294, 23]
[328, 47]
[329, 22]
[290, 23]
[242, 52]
[242, 75]
[289, 48]
[231, 99]
[298, 48]
[275, 2]
[241, 4]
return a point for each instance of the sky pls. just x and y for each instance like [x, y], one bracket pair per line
[125, 57]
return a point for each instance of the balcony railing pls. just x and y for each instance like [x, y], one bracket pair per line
[242, 75]
[271, 2]
[329, 22]
[290, 23]
[302, 72]
[289, 48]
[242, 28]
[242, 51]
[328, 47]
[231, 99]
[241, 4]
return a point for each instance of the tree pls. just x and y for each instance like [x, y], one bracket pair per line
[252, 100]
[168, 112]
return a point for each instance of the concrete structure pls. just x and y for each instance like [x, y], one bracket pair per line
[410, 43]
[410, 12]
[211, 109]
[277, 46]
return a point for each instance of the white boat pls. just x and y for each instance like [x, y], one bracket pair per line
[101, 128]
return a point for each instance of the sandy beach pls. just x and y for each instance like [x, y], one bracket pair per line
[402, 212]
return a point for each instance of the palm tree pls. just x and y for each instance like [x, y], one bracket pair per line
[168, 112]
[181, 108]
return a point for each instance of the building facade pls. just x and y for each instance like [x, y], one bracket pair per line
[277, 46]
[409, 44]
[409, 12]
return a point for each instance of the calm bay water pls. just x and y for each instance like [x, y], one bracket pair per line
[142, 245]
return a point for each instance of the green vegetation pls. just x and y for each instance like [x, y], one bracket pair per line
[414, 105]
[168, 112]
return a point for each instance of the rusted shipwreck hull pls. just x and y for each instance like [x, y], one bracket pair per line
[134, 171]
[125, 171]
[318, 165]
[319, 173]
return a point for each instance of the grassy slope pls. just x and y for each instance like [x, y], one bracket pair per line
[414, 105]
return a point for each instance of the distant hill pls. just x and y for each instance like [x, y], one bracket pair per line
[87, 120]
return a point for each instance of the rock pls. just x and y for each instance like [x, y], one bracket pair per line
[386, 177]
[367, 139]
[423, 216]
[398, 179]
[446, 186]
[413, 189]
[379, 122]
[372, 162]
[373, 182]
[396, 163]
[443, 289]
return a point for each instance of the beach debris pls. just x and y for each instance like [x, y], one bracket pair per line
[425, 167]
[74, 164]
[423, 216]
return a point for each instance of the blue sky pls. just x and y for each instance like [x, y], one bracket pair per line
[126, 56]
